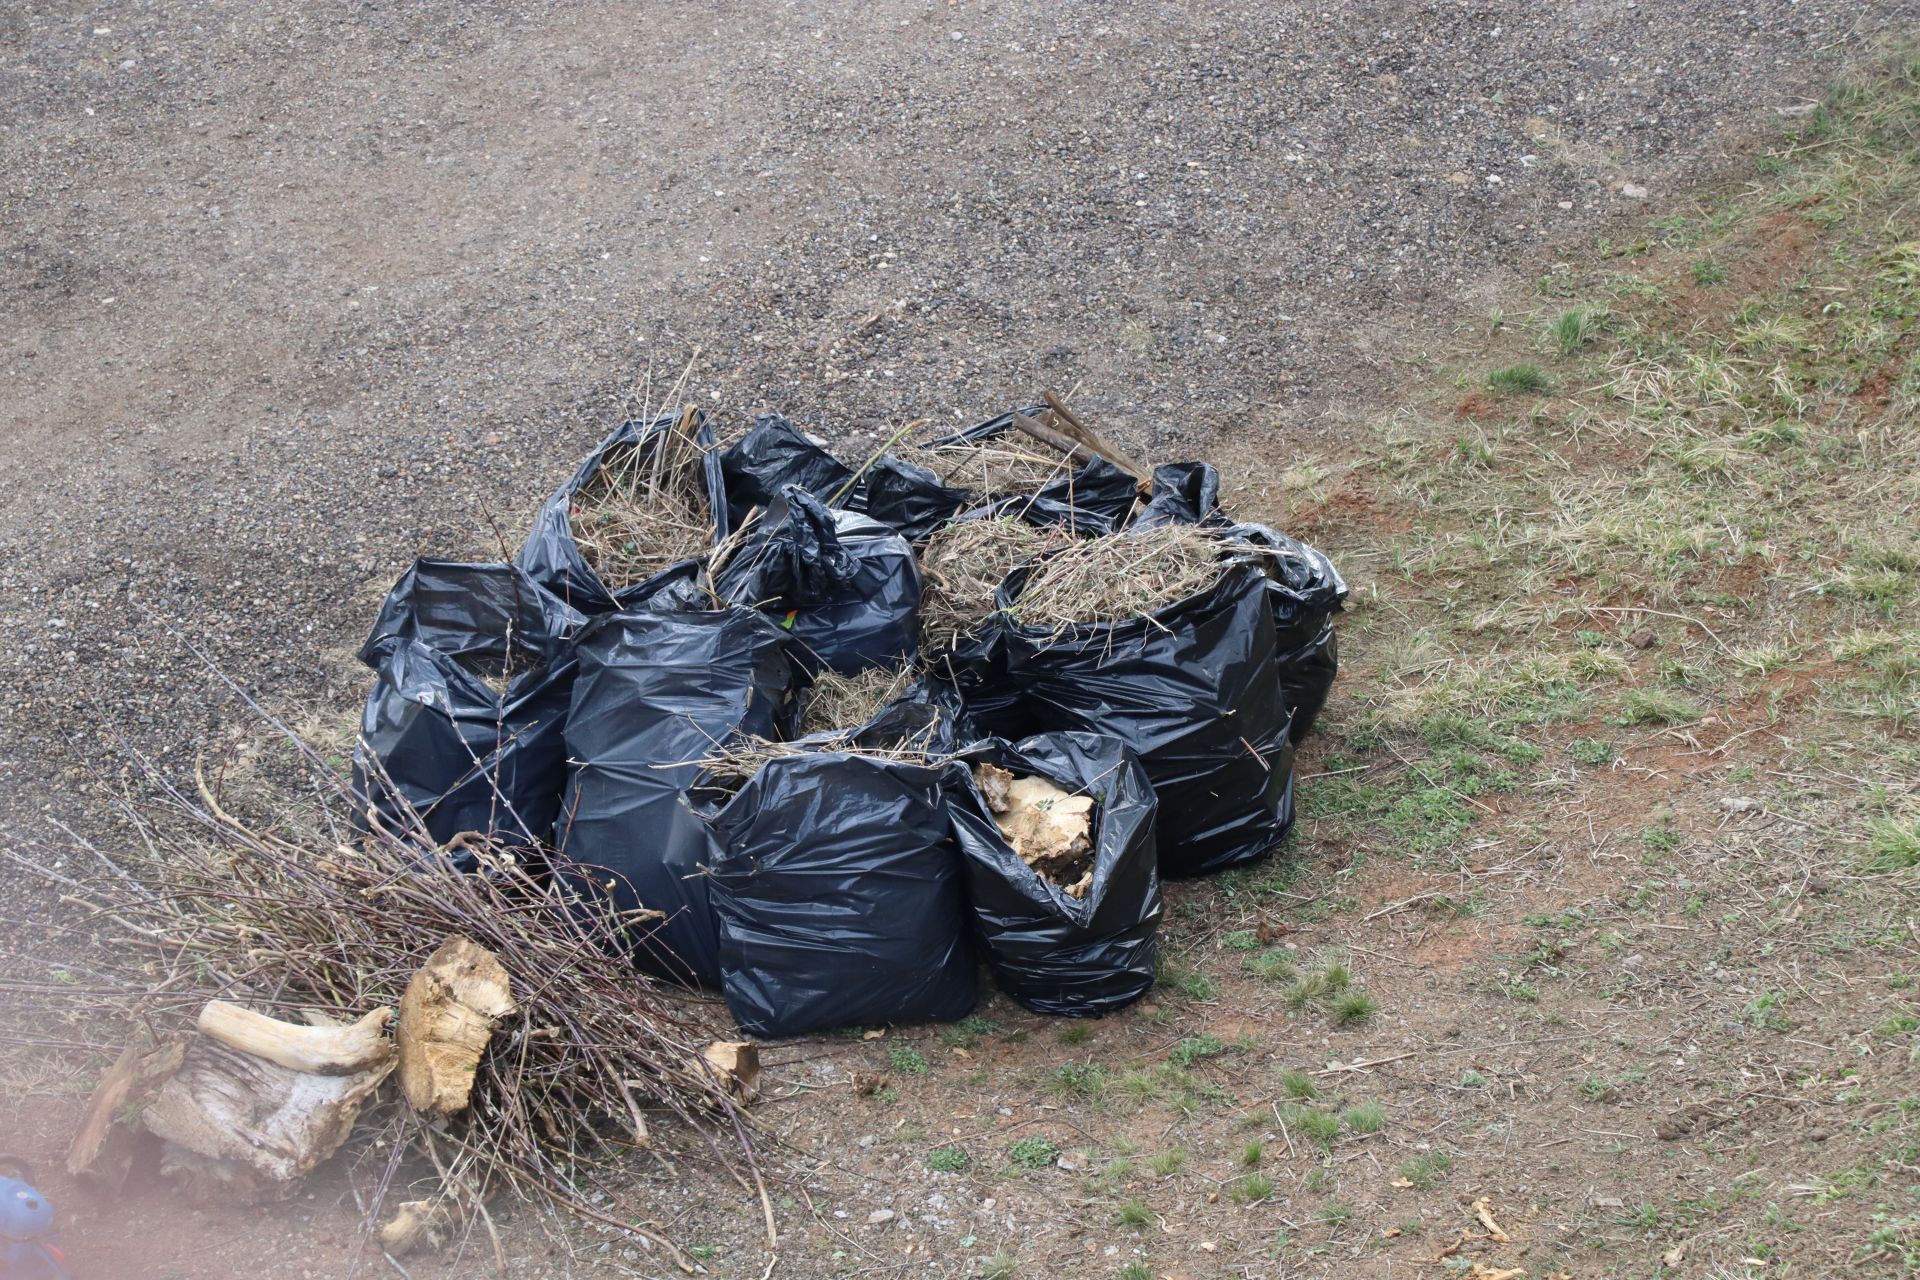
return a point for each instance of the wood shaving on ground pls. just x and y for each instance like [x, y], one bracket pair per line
[1051, 829]
[1119, 576]
[1483, 1210]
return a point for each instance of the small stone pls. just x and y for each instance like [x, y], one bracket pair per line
[879, 1216]
[1633, 191]
[1739, 804]
[1608, 1202]
[1643, 638]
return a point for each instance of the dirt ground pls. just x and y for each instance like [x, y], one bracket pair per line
[289, 296]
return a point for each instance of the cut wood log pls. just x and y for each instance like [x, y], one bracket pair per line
[447, 1015]
[103, 1147]
[737, 1064]
[318, 1050]
[232, 1106]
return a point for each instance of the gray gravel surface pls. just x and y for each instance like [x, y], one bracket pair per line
[291, 293]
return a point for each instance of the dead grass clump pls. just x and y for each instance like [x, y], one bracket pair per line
[645, 507]
[847, 702]
[963, 566]
[993, 467]
[729, 767]
[1120, 576]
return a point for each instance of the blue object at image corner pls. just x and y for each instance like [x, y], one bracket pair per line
[29, 1245]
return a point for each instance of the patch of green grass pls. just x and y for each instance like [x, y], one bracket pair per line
[1252, 1154]
[1275, 964]
[1194, 1048]
[1353, 1007]
[1426, 1169]
[1078, 1033]
[1033, 1153]
[1575, 328]
[1296, 1083]
[1191, 983]
[906, 1059]
[969, 1032]
[1133, 1213]
[1707, 272]
[1087, 1079]
[1519, 379]
[1320, 1127]
[1253, 1188]
[1592, 751]
[1767, 1011]
[1242, 940]
[1364, 1117]
[1164, 1164]
[1656, 706]
[1893, 845]
[1524, 992]
[1001, 1266]
[1427, 819]
[948, 1159]
[1333, 1213]
[1136, 1271]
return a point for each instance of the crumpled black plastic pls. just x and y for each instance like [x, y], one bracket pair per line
[845, 587]
[907, 498]
[550, 553]
[1183, 493]
[656, 693]
[1194, 689]
[838, 895]
[1094, 498]
[1056, 954]
[1306, 593]
[774, 454]
[443, 744]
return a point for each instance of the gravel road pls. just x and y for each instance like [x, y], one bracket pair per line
[291, 293]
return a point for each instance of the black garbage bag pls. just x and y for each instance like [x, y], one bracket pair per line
[1183, 493]
[838, 895]
[1054, 952]
[438, 738]
[845, 587]
[1094, 498]
[774, 454]
[552, 556]
[1306, 593]
[908, 499]
[1194, 689]
[656, 693]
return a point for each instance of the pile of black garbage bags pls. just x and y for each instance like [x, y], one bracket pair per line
[841, 885]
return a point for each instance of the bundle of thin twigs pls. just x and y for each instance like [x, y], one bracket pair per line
[963, 565]
[645, 507]
[847, 702]
[315, 915]
[1119, 576]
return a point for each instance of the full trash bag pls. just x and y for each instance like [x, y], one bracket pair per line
[774, 454]
[838, 894]
[1306, 593]
[552, 556]
[656, 693]
[1194, 688]
[846, 588]
[1054, 952]
[465, 722]
[907, 498]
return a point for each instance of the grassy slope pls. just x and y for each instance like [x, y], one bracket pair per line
[1608, 839]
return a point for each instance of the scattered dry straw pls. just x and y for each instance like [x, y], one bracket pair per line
[963, 565]
[847, 702]
[1008, 464]
[1120, 576]
[729, 767]
[645, 507]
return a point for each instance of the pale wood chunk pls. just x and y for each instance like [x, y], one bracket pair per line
[737, 1064]
[447, 1015]
[102, 1150]
[321, 1050]
[250, 1114]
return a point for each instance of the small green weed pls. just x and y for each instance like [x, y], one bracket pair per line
[906, 1059]
[1519, 379]
[1133, 1213]
[1425, 1170]
[1364, 1117]
[1194, 1048]
[1033, 1153]
[948, 1159]
[1296, 1083]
